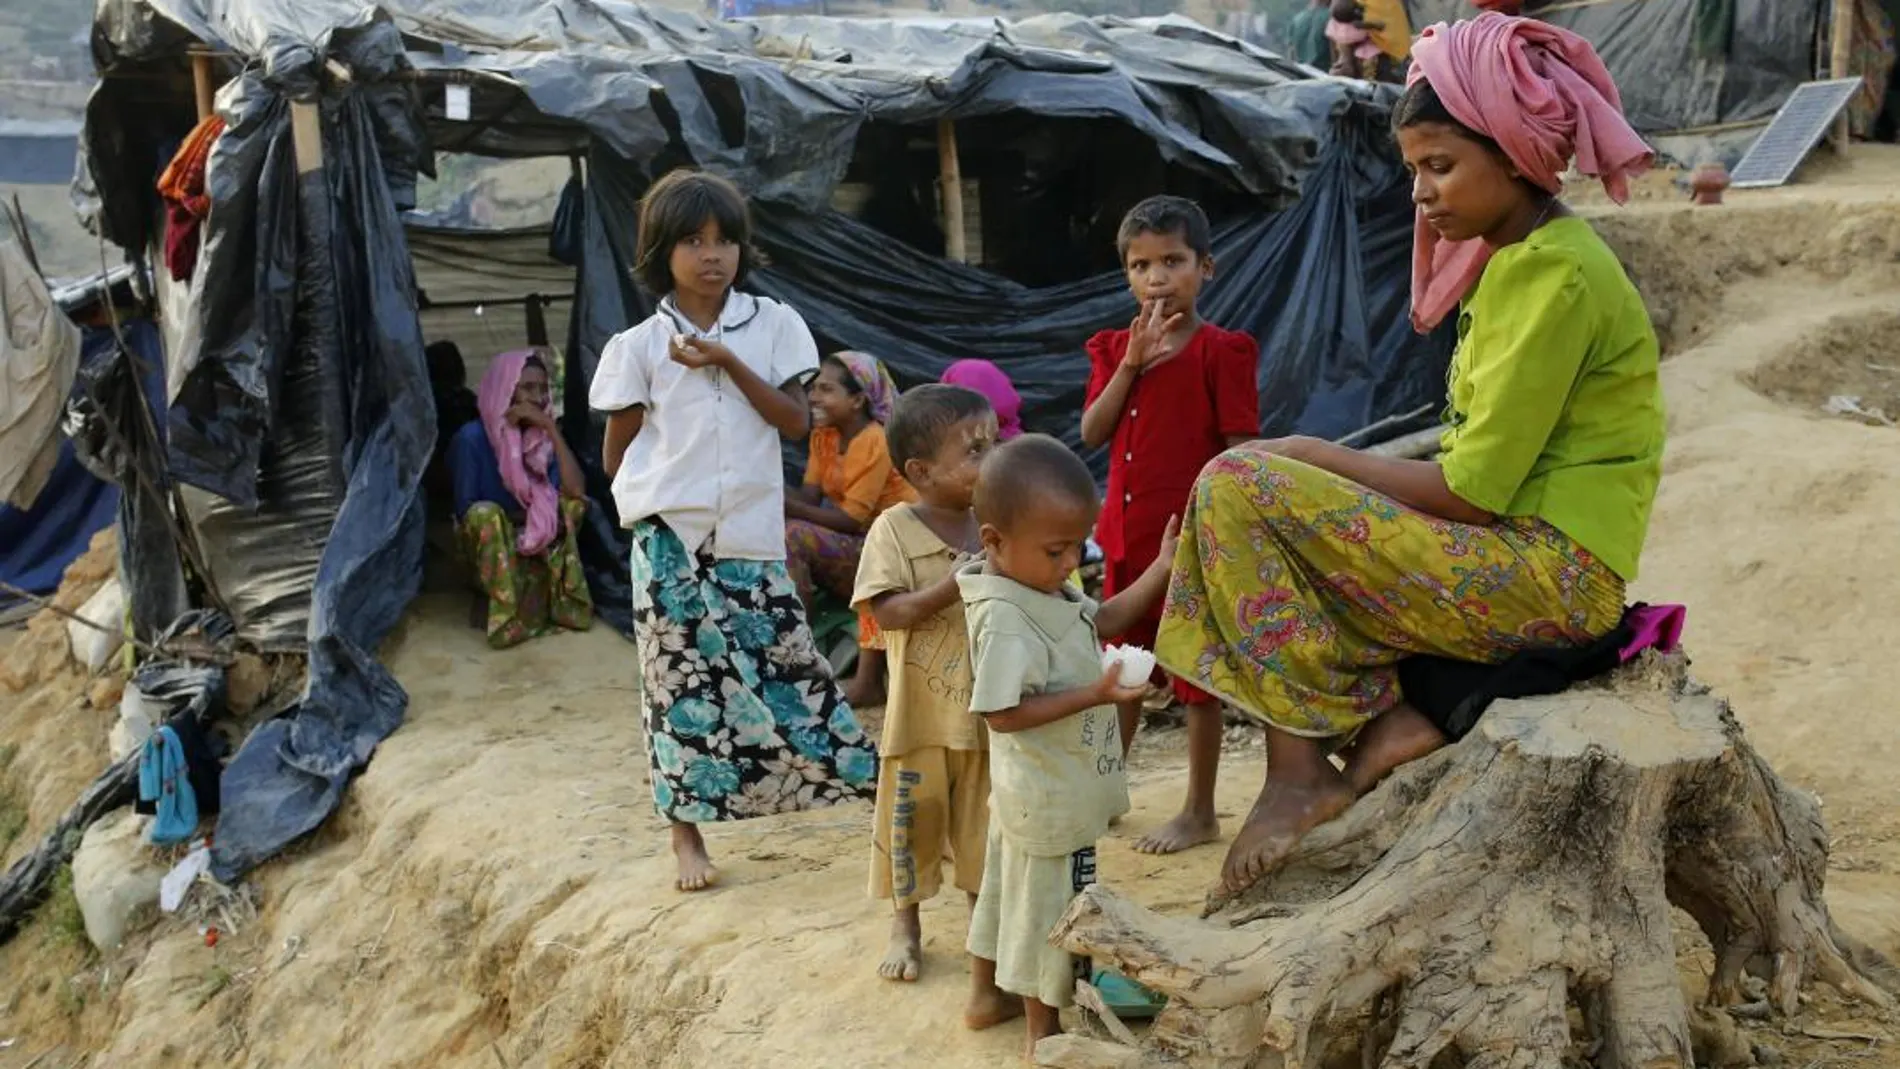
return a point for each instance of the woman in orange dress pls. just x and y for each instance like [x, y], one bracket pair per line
[849, 481]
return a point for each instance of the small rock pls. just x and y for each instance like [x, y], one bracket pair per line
[1766, 1055]
[106, 692]
[115, 877]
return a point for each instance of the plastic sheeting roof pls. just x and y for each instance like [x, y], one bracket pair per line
[776, 103]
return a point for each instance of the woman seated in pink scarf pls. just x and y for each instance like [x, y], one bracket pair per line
[990, 381]
[519, 499]
[1307, 571]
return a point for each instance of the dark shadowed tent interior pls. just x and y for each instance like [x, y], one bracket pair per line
[299, 418]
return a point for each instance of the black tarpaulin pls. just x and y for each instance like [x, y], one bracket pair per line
[1682, 64]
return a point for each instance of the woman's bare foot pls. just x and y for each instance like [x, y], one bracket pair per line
[1044, 1022]
[1400, 735]
[696, 867]
[1187, 829]
[905, 956]
[1303, 791]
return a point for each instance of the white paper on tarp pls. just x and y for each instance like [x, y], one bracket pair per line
[456, 103]
[171, 889]
[39, 355]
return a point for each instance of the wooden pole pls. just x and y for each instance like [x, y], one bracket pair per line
[201, 84]
[951, 180]
[1841, 57]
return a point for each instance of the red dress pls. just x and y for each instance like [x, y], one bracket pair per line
[1178, 416]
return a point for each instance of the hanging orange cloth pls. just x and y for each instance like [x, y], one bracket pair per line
[186, 203]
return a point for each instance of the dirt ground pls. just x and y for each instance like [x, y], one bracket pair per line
[496, 891]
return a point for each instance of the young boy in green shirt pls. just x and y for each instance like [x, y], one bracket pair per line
[1056, 768]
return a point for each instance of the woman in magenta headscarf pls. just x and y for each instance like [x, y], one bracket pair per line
[988, 379]
[519, 498]
[1307, 570]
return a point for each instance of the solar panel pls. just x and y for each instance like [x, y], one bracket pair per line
[1796, 129]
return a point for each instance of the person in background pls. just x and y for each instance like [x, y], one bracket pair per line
[1308, 36]
[455, 408]
[743, 717]
[990, 381]
[519, 500]
[849, 482]
[1312, 569]
[1166, 396]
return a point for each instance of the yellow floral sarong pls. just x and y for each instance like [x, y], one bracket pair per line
[1296, 592]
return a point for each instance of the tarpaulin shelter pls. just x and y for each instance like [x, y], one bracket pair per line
[300, 416]
[1683, 66]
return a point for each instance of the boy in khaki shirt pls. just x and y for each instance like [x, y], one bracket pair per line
[933, 783]
[1039, 684]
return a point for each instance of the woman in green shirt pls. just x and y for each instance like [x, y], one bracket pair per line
[1313, 569]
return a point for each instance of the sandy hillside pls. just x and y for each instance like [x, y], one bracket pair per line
[496, 892]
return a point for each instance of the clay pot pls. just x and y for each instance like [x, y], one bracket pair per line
[1707, 183]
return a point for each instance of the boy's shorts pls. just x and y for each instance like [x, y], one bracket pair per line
[933, 805]
[1119, 575]
[1023, 897]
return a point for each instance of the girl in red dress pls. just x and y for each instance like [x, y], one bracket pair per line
[1167, 395]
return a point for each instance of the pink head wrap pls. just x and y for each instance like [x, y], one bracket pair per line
[524, 457]
[990, 381]
[1543, 95]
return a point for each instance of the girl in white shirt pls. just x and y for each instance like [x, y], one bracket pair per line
[743, 715]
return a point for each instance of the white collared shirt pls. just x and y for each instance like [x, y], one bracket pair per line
[705, 461]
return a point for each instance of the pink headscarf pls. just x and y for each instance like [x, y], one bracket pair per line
[990, 381]
[524, 458]
[1543, 95]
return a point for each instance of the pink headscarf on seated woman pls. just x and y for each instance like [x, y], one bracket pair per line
[524, 457]
[880, 390]
[1544, 96]
[990, 381]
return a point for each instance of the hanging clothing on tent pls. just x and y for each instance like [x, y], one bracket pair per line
[187, 204]
[39, 355]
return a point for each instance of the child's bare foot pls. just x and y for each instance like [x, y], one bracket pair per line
[905, 956]
[1400, 735]
[696, 867]
[989, 1005]
[1187, 829]
[990, 1008]
[1044, 1022]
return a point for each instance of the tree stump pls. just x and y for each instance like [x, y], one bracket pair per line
[1464, 905]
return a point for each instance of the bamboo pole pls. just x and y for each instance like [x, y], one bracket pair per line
[201, 86]
[951, 181]
[1841, 57]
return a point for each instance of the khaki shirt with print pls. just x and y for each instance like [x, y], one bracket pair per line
[1054, 788]
[929, 702]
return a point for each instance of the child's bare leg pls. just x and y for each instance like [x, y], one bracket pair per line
[695, 865]
[1196, 823]
[905, 956]
[1044, 1022]
[989, 1005]
[866, 688]
[1302, 791]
